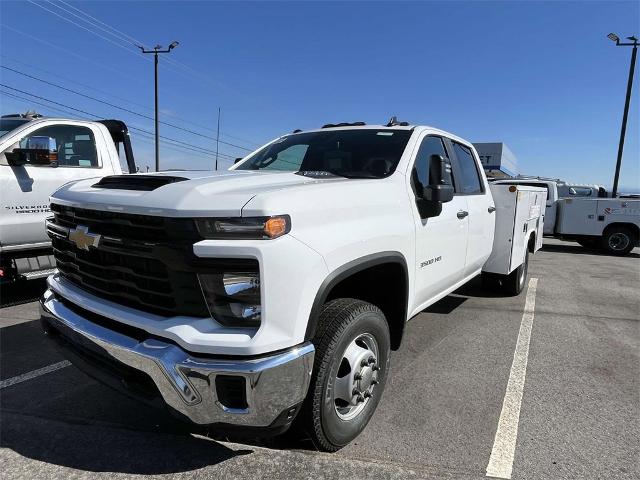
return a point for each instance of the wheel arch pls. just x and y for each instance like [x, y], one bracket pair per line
[351, 279]
[631, 226]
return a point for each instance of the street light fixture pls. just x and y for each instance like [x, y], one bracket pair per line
[634, 43]
[156, 50]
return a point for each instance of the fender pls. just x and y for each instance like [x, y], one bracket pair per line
[351, 268]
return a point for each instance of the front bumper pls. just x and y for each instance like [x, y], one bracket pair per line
[265, 391]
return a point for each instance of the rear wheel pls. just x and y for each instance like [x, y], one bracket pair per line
[350, 372]
[514, 283]
[618, 241]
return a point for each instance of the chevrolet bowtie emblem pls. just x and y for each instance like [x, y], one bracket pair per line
[82, 238]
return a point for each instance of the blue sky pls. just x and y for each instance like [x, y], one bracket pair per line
[540, 76]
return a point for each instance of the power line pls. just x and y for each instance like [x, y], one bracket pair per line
[122, 36]
[72, 53]
[88, 29]
[83, 27]
[128, 39]
[100, 116]
[149, 136]
[84, 85]
[142, 134]
[104, 92]
[120, 32]
[120, 108]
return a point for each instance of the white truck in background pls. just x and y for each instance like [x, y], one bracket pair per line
[587, 216]
[37, 156]
[273, 292]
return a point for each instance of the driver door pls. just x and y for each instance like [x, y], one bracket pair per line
[441, 241]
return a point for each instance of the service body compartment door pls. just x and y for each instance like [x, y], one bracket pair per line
[519, 211]
[617, 210]
[578, 217]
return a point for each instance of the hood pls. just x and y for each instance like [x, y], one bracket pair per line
[202, 194]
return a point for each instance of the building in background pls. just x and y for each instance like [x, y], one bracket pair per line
[498, 161]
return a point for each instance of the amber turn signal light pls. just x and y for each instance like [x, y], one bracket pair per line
[275, 227]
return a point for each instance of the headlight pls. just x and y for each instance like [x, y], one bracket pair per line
[244, 227]
[233, 297]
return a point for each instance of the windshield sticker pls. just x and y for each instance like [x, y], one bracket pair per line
[384, 134]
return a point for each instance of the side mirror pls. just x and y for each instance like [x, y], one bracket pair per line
[237, 160]
[440, 190]
[39, 151]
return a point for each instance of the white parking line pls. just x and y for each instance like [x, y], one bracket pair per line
[33, 374]
[504, 444]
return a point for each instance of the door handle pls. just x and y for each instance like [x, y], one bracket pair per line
[491, 209]
[462, 214]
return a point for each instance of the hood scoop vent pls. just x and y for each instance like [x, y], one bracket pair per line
[144, 183]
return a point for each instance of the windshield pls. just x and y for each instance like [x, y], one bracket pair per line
[6, 125]
[356, 153]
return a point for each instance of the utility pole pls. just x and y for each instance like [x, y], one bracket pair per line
[623, 130]
[217, 139]
[156, 50]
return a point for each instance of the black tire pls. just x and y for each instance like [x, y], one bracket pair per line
[618, 241]
[342, 322]
[514, 283]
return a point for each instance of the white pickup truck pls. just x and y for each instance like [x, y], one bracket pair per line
[586, 215]
[274, 291]
[37, 156]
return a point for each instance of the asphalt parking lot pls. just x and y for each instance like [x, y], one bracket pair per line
[441, 415]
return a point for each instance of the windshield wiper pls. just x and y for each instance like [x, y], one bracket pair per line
[329, 174]
[317, 174]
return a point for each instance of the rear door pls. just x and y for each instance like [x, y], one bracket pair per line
[480, 207]
[441, 241]
[26, 189]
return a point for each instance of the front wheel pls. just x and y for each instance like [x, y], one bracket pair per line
[350, 371]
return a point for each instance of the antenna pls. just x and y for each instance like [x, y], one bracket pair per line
[394, 122]
[217, 139]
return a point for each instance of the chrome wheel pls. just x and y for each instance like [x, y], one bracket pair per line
[618, 241]
[356, 377]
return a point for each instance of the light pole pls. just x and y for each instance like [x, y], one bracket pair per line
[156, 50]
[634, 43]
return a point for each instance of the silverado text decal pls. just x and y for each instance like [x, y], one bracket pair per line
[28, 208]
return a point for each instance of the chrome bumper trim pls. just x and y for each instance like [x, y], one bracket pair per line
[274, 383]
